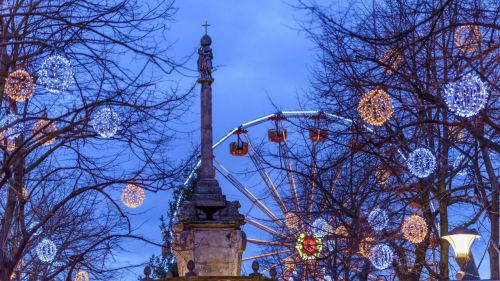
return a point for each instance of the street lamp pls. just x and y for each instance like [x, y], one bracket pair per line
[461, 240]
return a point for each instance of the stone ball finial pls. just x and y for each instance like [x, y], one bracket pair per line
[147, 270]
[205, 40]
[273, 273]
[190, 267]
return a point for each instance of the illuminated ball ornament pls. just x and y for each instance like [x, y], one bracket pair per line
[82, 276]
[391, 60]
[341, 232]
[291, 220]
[45, 129]
[381, 256]
[468, 38]
[458, 164]
[308, 246]
[46, 250]
[19, 85]
[132, 196]
[55, 74]
[375, 107]
[321, 227]
[383, 174]
[106, 122]
[467, 96]
[378, 219]
[421, 162]
[414, 229]
[365, 246]
[12, 126]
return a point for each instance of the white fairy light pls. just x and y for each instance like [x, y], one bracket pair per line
[320, 227]
[106, 122]
[421, 162]
[467, 96]
[46, 250]
[55, 74]
[13, 130]
[378, 219]
[381, 256]
[457, 164]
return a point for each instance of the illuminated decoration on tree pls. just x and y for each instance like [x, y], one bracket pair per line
[55, 74]
[457, 164]
[456, 133]
[468, 38]
[365, 246]
[375, 107]
[327, 278]
[382, 174]
[14, 129]
[467, 96]
[321, 227]
[19, 85]
[24, 194]
[46, 250]
[421, 162]
[414, 229]
[82, 276]
[132, 196]
[45, 127]
[381, 256]
[291, 220]
[308, 246]
[106, 122]
[330, 244]
[391, 60]
[378, 219]
[341, 232]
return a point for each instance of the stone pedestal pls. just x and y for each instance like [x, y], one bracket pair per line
[215, 245]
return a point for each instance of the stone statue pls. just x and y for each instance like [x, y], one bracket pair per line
[205, 57]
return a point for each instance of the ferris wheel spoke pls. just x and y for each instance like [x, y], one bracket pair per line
[266, 243]
[266, 255]
[264, 227]
[250, 196]
[265, 176]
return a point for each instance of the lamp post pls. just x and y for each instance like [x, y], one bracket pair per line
[461, 240]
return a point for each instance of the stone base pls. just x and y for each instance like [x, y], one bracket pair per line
[216, 278]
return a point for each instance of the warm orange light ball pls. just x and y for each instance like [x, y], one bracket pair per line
[132, 196]
[414, 229]
[468, 38]
[44, 127]
[375, 107]
[365, 246]
[19, 85]
[391, 60]
[82, 276]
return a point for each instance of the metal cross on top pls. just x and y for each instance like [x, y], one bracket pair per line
[206, 25]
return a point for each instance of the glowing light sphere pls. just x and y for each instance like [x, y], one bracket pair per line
[467, 96]
[391, 60]
[378, 219]
[308, 246]
[24, 195]
[375, 107]
[381, 256]
[291, 220]
[82, 276]
[468, 38]
[320, 227]
[330, 244]
[327, 278]
[55, 74]
[382, 174]
[457, 164]
[14, 129]
[132, 196]
[421, 162]
[341, 232]
[289, 263]
[365, 246]
[19, 85]
[44, 128]
[106, 122]
[414, 229]
[457, 133]
[46, 250]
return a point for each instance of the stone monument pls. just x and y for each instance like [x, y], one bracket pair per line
[207, 229]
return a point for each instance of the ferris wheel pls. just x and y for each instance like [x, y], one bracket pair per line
[274, 163]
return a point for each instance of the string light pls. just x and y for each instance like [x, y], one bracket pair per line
[467, 96]
[365, 246]
[382, 174]
[421, 162]
[132, 196]
[375, 107]
[106, 122]
[291, 220]
[457, 133]
[457, 165]
[381, 256]
[414, 229]
[391, 60]
[82, 276]
[341, 232]
[45, 128]
[378, 219]
[55, 74]
[321, 227]
[14, 127]
[468, 38]
[19, 85]
[46, 250]
[308, 246]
